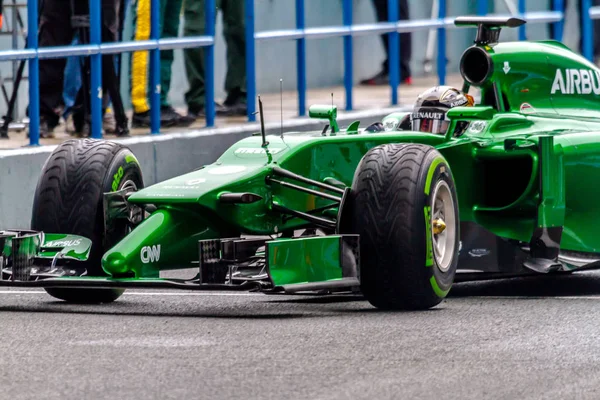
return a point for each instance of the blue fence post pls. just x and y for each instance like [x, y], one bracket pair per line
[155, 69]
[34, 73]
[441, 56]
[522, 8]
[348, 73]
[301, 59]
[393, 49]
[209, 64]
[587, 31]
[96, 62]
[482, 7]
[250, 61]
[559, 5]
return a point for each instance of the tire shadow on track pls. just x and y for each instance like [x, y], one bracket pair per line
[575, 284]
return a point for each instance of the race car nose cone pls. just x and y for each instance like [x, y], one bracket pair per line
[438, 226]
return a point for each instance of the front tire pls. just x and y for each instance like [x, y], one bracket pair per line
[405, 209]
[69, 199]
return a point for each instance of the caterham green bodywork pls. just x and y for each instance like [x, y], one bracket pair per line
[524, 170]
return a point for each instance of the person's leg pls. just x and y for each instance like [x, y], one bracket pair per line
[72, 81]
[405, 44]
[111, 26]
[54, 30]
[596, 34]
[194, 25]
[169, 29]
[170, 15]
[382, 77]
[234, 33]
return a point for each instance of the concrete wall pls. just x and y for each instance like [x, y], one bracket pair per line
[277, 60]
[161, 157]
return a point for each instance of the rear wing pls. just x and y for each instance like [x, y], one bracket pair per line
[488, 28]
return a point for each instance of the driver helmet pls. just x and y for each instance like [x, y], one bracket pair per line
[429, 112]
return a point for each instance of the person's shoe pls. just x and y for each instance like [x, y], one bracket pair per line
[233, 106]
[46, 131]
[201, 113]
[194, 114]
[109, 125]
[85, 130]
[169, 113]
[383, 78]
[69, 124]
[140, 120]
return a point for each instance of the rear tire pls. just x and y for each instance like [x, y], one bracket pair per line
[69, 199]
[391, 209]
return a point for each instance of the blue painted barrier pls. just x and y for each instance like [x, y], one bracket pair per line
[155, 68]
[558, 5]
[348, 62]
[209, 63]
[441, 56]
[34, 75]
[394, 51]
[300, 34]
[301, 59]
[96, 69]
[522, 32]
[250, 60]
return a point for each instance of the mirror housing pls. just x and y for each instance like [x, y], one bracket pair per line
[328, 112]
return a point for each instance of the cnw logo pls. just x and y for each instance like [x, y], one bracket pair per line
[150, 254]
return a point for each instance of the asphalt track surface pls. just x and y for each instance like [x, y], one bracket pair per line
[512, 339]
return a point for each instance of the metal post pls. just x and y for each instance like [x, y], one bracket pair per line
[250, 60]
[210, 11]
[393, 45]
[482, 7]
[348, 74]
[15, 46]
[96, 86]
[441, 57]
[155, 68]
[559, 5]
[522, 8]
[587, 30]
[301, 59]
[34, 77]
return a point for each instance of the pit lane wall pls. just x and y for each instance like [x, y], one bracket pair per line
[161, 157]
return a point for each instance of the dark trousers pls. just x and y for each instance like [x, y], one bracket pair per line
[55, 29]
[235, 39]
[595, 22]
[381, 8]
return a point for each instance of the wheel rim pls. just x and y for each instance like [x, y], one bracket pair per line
[443, 226]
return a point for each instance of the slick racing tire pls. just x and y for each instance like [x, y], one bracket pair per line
[69, 199]
[404, 207]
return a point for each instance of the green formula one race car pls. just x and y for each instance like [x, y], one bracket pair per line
[455, 190]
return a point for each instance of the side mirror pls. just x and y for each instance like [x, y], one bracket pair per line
[327, 112]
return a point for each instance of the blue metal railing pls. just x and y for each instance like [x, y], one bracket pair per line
[300, 34]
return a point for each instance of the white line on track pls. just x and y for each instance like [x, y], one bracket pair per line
[146, 293]
[36, 292]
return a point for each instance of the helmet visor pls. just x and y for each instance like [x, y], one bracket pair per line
[430, 121]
